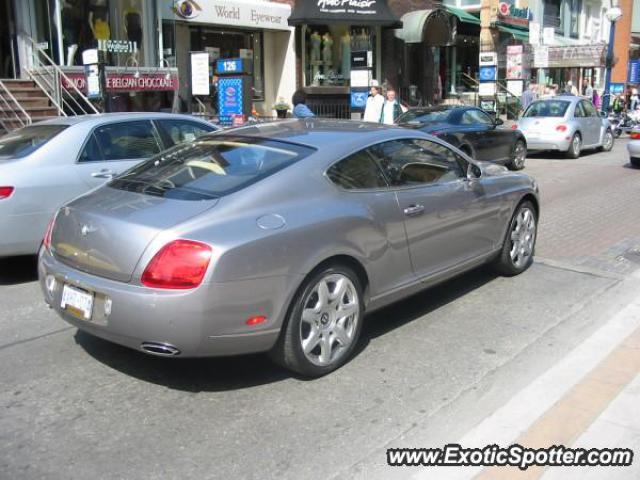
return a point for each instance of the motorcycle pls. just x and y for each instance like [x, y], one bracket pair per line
[623, 122]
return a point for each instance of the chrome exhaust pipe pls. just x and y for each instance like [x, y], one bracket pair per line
[161, 349]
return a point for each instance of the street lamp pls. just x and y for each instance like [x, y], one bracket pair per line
[613, 15]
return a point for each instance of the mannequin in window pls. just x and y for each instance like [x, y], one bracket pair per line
[316, 43]
[70, 29]
[132, 21]
[327, 49]
[99, 19]
[345, 47]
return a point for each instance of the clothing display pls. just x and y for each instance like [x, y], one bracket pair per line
[345, 45]
[316, 43]
[133, 25]
[327, 49]
[99, 19]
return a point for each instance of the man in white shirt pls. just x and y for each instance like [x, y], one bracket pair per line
[373, 109]
[391, 109]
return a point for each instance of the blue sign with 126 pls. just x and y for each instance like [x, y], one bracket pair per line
[233, 65]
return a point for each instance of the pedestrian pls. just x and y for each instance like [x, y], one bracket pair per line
[528, 96]
[588, 91]
[300, 109]
[375, 101]
[618, 105]
[391, 109]
[597, 101]
[634, 100]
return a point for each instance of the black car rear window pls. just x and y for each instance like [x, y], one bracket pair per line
[27, 140]
[210, 167]
[423, 116]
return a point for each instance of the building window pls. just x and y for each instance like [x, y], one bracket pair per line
[575, 7]
[327, 52]
[84, 24]
[552, 16]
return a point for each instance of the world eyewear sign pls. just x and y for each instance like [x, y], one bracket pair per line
[239, 13]
[126, 82]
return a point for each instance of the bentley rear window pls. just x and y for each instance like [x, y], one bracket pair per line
[210, 167]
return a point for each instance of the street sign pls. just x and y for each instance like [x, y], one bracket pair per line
[117, 46]
[616, 88]
[634, 71]
[230, 65]
[488, 58]
[487, 89]
[488, 73]
[200, 73]
[359, 98]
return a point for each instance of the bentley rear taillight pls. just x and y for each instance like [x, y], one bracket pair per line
[47, 234]
[179, 265]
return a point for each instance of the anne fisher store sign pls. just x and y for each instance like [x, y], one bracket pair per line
[364, 7]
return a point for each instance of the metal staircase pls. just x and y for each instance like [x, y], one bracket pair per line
[22, 102]
[48, 92]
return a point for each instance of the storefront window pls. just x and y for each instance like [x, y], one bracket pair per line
[219, 43]
[85, 23]
[328, 52]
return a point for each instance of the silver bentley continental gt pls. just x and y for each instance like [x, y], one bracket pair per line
[278, 238]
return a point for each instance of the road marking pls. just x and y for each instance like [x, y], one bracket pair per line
[514, 419]
[571, 415]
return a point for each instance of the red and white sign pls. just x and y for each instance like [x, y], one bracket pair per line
[503, 9]
[127, 82]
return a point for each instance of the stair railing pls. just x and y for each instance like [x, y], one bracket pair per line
[11, 109]
[61, 90]
[500, 88]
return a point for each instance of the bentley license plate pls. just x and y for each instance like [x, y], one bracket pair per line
[77, 302]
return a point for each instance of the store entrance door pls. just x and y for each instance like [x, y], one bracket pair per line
[8, 56]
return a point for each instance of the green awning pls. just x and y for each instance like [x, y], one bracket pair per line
[517, 33]
[463, 15]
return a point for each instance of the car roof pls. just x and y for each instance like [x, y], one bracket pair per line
[563, 98]
[96, 119]
[440, 108]
[321, 133]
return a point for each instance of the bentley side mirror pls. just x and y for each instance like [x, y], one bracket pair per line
[473, 172]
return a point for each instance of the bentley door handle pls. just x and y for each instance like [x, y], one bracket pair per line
[414, 210]
[103, 174]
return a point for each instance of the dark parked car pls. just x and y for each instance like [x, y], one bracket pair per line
[473, 131]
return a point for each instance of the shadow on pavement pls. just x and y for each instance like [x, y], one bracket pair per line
[555, 155]
[15, 270]
[233, 373]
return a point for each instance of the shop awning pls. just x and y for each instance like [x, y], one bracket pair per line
[355, 12]
[517, 33]
[463, 16]
[414, 22]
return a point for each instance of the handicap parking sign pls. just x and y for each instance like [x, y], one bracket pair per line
[359, 99]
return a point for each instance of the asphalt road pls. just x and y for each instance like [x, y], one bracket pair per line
[427, 368]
